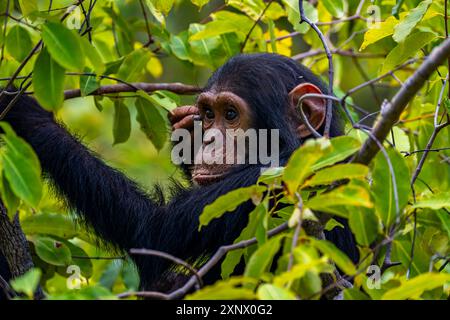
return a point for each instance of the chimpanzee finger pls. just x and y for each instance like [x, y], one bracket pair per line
[181, 112]
[186, 123]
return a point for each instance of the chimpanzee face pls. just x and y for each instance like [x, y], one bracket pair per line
[228, 125]
[222, 115]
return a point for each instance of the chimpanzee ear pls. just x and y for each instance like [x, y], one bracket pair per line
[313, 108]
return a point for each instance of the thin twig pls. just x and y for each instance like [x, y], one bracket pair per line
[391, 113]
[178, 88]
[329, 114]
[247, 37]
[222, 251]
[164, 255]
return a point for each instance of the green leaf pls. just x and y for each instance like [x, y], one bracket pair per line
[52, 251]
[48, 82]
[230, 43]
[396, 9]
[406, 25]
[18, 42]
[383, 189]
[262, 258]
[412, 289]
[122, 122]
[94, 292]
[64, 46]
[93, 56]
[153, 122]
[130, 275]
[234, 257]
[213, 29]
[228, 203]
[337, 256]
[341, 148]
[58, 225]
[21, 167]
[10, 200]
[347, 195]
[160, 99]
[406, 49]
[401, 251]
[199, 3]
[299, 166]
[255, 9]
[225, 290]
[272, 292]
[28, 7]
[335, 7]
[364, 225]
[338, 172]
[299, 270]
[134, 65]
[27, 283]
[159, 16]
[205, 52]
[88, 84]
[331, 224]
[162, 5]
[111, 273]
[355, 294]
[293, 13]
[435, 202]
[180, 46]
[80, 258]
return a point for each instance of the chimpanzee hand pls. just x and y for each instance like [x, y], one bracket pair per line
[183, 117]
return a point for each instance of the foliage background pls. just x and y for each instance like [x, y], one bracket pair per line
[184, 41]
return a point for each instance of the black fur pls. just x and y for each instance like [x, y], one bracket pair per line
[124, 215]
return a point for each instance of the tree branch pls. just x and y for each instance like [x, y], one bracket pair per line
[178, 88]
[391, 113]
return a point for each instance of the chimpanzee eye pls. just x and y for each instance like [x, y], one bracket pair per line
[230, 114]
[209, 114]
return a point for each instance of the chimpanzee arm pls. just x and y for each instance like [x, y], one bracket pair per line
[114, 205]
[104, 197]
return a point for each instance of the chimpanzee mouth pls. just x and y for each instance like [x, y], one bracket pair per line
[205, 179]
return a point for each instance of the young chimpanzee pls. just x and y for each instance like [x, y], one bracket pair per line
[257, 91]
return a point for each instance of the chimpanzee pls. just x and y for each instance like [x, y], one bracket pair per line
[257, 91]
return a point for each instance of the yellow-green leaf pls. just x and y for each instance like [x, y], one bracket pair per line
[262, 258]
[341, 148]
[299, 166]
[348, 195]
[229, 202]
[412, 289]
[379, 31]
[335, 7]
[435, 202]
[21, 167]
[406, 49]
[27, 283]
[271, 292]
[338, 172]
[338, 257]
[64, 46]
